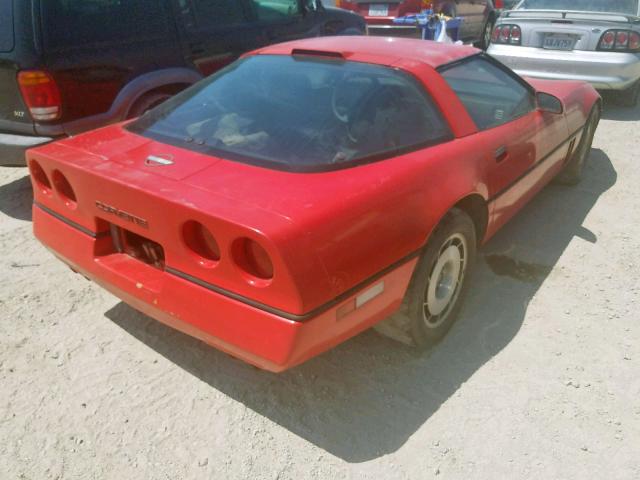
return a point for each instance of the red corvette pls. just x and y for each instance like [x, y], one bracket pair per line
[310, 190]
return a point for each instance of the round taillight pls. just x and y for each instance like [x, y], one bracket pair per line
[64, 189]
[505, 33]
[621, 40]
[495, 36]
[607, 40]
[201, 242]
[252, 259]
[516, 34]
[40, 178]
[634, 41]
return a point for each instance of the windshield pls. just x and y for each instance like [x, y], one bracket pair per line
[299, 113]
[629, 7]
[6, 25]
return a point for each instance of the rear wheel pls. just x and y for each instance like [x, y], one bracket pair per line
[146, 103]
[630, 96]
[440, 279]
[572, 173]
[486, 33]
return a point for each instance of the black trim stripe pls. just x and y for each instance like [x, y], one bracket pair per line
[534, 166]
[240, 298]
[292, 316]
[71, 223]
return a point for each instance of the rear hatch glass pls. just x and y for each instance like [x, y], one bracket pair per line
[6, 25]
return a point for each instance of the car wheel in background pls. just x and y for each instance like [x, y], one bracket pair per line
[572, 173]
[146, 103]
[630, 96]
[486, 33]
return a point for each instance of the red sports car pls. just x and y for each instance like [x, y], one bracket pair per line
[310, 190]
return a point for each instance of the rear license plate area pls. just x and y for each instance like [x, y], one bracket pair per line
[558, 42]
[378, 10]
[136, 246]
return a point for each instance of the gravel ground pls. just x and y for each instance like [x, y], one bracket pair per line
[538, 379]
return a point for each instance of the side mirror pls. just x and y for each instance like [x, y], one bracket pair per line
[548, 103]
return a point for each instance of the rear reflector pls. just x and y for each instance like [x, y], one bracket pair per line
[41, 95]
[355, 303]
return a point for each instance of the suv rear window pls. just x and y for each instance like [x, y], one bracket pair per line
[299, 114]
[77, 23]
[6, 25]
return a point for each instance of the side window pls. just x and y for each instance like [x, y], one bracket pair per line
[491, 96]
[273, 10]
[76, 23]
[217, 12]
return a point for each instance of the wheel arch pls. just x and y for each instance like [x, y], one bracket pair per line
[476, 207]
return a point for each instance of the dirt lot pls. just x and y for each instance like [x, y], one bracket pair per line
[539, 379]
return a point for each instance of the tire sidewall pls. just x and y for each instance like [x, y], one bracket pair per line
[456, 221]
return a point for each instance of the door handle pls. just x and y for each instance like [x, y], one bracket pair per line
[501, 154]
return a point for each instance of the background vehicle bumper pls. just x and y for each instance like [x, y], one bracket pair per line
[256, 336]
[13, 147]
[406, 31]
[603, 70]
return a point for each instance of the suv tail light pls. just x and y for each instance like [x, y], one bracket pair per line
[507, 34]
[41, 95]
[620, 41]
[498, 3]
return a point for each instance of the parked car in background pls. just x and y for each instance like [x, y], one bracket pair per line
[67, 66]
[479, 16]
[595, 41]
[396, 159]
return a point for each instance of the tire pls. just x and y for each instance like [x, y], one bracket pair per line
[449, 10]
[146, 103]
[486, 33]
[440, 280]
[572, 172]
[630, 96]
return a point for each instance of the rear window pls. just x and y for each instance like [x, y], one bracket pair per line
[299, 114]
[77, 23]
[6, 25]
[629, 7]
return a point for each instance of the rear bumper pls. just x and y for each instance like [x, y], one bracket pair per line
[13, 147]
[603, 70]
[256, 336]
[406, 31]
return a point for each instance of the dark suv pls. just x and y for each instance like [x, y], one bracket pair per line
[67, 66]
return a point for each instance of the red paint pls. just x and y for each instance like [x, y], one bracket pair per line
[322, 234]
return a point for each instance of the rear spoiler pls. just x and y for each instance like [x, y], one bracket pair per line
[571, 15]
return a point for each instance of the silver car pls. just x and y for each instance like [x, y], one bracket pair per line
[597, 41]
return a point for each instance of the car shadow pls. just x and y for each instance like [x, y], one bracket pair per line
[16, 198]
[613, 111]
[365, 398]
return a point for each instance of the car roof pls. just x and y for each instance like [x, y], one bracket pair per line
[381, 50]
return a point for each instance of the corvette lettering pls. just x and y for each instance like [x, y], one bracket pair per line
[122, 214]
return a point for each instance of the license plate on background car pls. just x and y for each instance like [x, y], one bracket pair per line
[378, 10]
[558, 42]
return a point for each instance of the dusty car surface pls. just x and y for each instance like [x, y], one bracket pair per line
[275, 223]
[595, 41]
